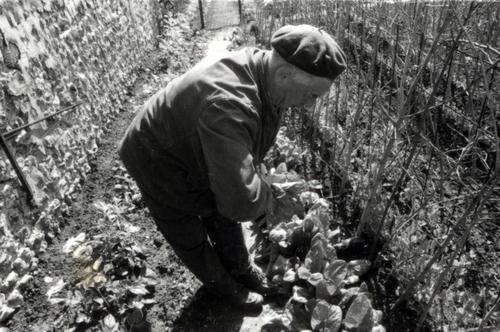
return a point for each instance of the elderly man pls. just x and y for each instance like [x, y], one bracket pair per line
[194, 147]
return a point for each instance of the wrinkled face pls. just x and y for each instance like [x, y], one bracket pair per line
[299, 88]
[306, 88]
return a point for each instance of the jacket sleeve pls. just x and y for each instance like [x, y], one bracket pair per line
[228, 130]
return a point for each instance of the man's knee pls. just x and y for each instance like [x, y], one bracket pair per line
[186, 234]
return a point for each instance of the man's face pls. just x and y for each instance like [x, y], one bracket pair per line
[303, 89]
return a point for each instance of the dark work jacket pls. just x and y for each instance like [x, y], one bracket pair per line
[194, 146]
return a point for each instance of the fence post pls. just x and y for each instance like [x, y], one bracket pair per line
[26, 186]
[157, 14]
[202, 20]
[239, 11]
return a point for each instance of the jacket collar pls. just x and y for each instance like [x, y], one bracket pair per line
[262, 77]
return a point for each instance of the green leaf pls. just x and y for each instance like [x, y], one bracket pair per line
[319, 240]
[333, 235]
[351, 280]
[15, 299]
[281, 168]
[300, 294]
[336, 271]
[326, 289]
[309, 225]
[378, 328]
[331, 253]
[82, 317]
[333, 276]
[303, 272]
[348, 295]
[74, 298]
[148, 301]
[290, 276]
[138, 290]
[293, 188]
[277, 234]
[97, 264]
[301, 318]
[359, 266]
[294, 224]
[109, 324]
[316, 257]
[326, 317]
[322, 291]
[359, 317]
[315, 184]
[82, 252]
[55, 288]
[315, 278]
[280, 265]
[377, 317]
[135, 317]
[5, 312]
[322, 214]
[308, 197]
[363, 288]
[17, 85]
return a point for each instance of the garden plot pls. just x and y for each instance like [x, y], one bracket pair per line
[396, 221]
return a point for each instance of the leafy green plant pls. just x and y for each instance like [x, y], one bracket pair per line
[111, 284]
[303, 262]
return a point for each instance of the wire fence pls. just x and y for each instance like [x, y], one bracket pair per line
[433, 63]
[217, 14]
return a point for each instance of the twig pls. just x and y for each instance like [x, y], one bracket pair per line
[495, 307]
[391, 199]
[460, 245]
[441, 248]
[10, 134]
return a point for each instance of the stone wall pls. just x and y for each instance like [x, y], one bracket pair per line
[56, 54]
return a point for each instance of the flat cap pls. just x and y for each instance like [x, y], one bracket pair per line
[311, 49]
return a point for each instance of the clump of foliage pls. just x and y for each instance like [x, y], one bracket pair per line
[310, 262]
[111, 285]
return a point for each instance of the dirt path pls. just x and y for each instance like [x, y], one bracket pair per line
[221, 13]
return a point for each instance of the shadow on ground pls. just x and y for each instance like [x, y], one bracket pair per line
[206, 312]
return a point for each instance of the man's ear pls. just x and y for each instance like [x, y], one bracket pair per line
[283, 75]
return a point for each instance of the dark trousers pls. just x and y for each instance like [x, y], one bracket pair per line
[213, 248]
